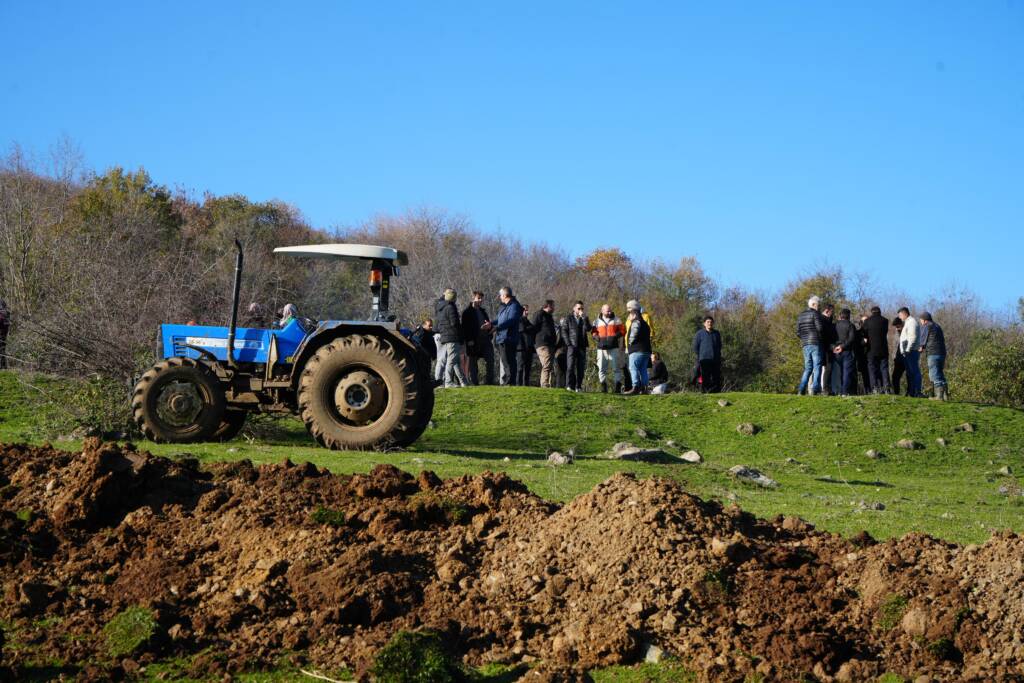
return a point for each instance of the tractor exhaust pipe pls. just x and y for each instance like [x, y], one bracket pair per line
[234, 305]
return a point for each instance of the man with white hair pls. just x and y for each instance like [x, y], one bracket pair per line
[809, 328]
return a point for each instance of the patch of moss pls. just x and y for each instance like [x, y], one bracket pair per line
[416, 657]
[25, 515]
[129, 630]
[942, 649]
[891, 612]
[328, 516]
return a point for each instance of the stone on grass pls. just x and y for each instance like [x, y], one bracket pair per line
[747, 428]
[753, 476]
[722, 403]
[557, 458]
[627, 451]
[653, 654]
[909, 444]
[692, 456]
[871, 506]
[965, 427]
[942, 442]
[641, 432]
[1005, 470]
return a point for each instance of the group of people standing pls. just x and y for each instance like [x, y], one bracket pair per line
[626, 360]
[836, 352]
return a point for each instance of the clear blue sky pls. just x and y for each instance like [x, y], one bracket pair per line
[763, 137]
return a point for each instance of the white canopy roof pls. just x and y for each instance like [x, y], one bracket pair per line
[347, 252]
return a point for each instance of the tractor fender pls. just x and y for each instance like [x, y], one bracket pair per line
[330, 330]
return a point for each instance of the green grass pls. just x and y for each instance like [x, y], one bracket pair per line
[891, 612]
[813, 446]
[663, 672]
[130, 629]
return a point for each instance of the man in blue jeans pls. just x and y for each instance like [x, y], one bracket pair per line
[845, 364]
[932, 342]
[809, 328]
[910, 346]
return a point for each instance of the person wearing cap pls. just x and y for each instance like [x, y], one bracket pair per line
[449, 353]
[576, 328]
[638, 346]
[911, 348]
[506, 335]
[932, 343]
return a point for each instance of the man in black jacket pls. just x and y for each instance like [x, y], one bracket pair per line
[449, 327]
[527, 344]
[828, 338]
[576, 329]
[899, 365]
[546, 339]
[876, 330]
[809, 326]
[842, 350]
[476, 328]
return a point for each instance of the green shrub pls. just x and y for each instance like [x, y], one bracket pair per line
[416, 657]
[129, 630]
[992, 371]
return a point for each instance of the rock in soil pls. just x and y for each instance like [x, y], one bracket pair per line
[250, 562]
[909, 444]
[692, 456]
[747, 428]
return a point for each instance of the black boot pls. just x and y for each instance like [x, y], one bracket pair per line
[604, 387]
[618, 387]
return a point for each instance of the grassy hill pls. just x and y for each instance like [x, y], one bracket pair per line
[814, 447]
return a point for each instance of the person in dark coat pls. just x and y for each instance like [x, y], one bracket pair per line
[576, 330]
[828, 338]
[525, 350]
[876, 331]
[861, 354]
[932, 343]
[707, 344]
[843, 353]
[423, 335]
[476, 328]
[809, 326]
[506, 332]
[658, 374]
[561, 368]
[546, 340]
[449, 328]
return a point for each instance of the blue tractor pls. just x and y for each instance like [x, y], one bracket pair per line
[356, 384]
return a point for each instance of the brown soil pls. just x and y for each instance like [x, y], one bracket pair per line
[234, 564]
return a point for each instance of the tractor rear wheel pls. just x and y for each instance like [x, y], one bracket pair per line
[230, 425]
[424, 403]
[360, 392]
[178, 401]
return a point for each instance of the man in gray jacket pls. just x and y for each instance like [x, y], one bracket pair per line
[932, 343]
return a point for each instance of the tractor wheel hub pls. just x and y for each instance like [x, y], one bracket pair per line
[360, 397]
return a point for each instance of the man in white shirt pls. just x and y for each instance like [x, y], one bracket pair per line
[911, 353]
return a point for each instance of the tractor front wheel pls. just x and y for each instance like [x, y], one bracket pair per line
[178, 401]
[360, 392]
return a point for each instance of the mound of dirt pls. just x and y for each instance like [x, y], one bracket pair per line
[244, 564]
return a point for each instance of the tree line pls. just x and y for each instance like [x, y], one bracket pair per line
[92, 263]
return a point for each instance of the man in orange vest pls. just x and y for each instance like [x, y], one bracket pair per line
[609, 332]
